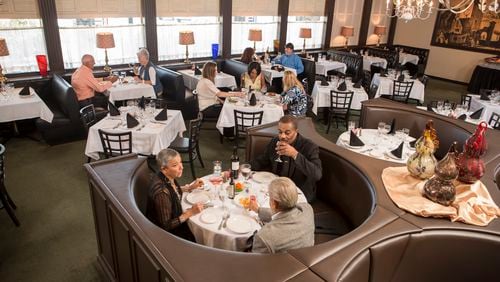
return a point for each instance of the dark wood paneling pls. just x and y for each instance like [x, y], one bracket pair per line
[329, 10]
[226, 11]
[282, 27]
[48, 14]
[149, 14]
[121, 240]
[392, 31]
[146, 269]
[365, 22]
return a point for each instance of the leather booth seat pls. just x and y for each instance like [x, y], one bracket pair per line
[177, 95]
[390, 55]
[61, 99]
[354, 62]
[234, 68]
[384, 243]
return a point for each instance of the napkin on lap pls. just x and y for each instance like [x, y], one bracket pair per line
[113, 110]
[131, 121]
[354, 140]
[462, 117]
[398, 152]
[162, 115]
[342, 86]
[25, 91]
[476, 114]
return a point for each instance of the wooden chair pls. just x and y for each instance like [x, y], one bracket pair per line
[159, 103]
[494, 121]
[190, 145]
[372, 91]
[340, 104]
[465, 100]
[115, 144]
[212, 120]
[5, 198]
[244, 120]
[400, 91]
[88, 118]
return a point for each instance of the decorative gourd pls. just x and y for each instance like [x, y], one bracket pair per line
[469, 162]
[422, 163]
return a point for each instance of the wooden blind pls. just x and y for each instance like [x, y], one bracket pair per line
[307, 8]
[255, 8]
[187, 8]
[81, 9]
[19, 9]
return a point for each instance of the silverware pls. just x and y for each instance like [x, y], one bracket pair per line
[222, 221]
[225, 221]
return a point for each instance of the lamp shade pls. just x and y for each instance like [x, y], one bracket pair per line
[305, 32]
[186, 37]
[347, 31]
[255, 35]
[105, 40]
[4, 51]
[379, 30]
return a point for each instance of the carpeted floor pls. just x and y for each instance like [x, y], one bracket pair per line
[56, 240]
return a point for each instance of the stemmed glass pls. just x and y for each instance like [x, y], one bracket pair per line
[380, 128]
[440, 106]
[278, 159]
[246, 171]
[121, 77]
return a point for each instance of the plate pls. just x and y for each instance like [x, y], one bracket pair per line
[240, 224]
[239, 197]
[346, 143]
[263, 177]
[376, 154]
[210, 216]
[198, 196]
[390, 155]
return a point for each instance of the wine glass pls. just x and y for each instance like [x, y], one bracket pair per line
[278, 159]
[380, 128]
[440, 106]
[246, 171]
[351, 126]
[387, 128]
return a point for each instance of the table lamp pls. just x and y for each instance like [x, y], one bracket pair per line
[4, 51]
[254, 35]
[304, 33]
[105, 40]
[379, 31]
[186, 38]
[347, 31]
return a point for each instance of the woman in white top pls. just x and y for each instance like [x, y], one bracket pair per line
[209, 96]
[254, 78]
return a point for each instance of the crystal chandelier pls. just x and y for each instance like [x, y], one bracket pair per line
[422, 9]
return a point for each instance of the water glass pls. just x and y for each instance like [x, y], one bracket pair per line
[387, 128]
[217, 168]
[380, 128]
[351, 125]
[440, 106]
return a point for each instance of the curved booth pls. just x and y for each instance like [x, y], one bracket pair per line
[361, 235]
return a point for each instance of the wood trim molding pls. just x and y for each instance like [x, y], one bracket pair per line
[365, 22]
[48, 14]
[226, 12]
[329, 11]
[149, 14]
[283, 7]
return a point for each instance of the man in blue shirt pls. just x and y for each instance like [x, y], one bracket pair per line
[290, 59]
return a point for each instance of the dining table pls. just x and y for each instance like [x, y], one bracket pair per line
[372, 60]
[227, 223]
[321, 95]
[408, 58]
[130, 89]
[379, 145]
[149, 137]
[270, 74]
[221, 79]
[270, 105]
[385, 85]
[324, 66]
[18, 107]
[489, 107]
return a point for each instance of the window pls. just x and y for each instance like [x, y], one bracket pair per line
[257, 14]
[80, 20]
[21, 26]
[201, 17]
[306, 14]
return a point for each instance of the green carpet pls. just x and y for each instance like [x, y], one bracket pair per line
[56, 240]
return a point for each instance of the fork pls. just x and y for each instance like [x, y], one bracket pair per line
[222, 221]
[225, 221]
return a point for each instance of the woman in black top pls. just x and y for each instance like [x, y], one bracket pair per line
[164, 201]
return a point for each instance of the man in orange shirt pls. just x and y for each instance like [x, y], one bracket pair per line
[85, 84]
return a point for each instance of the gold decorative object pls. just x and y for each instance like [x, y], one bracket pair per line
[440, 188]
[379, 30]
[105, 40]
[186, 38]
[305, 33]
[4, 51]
[254, 35]
[347, 31]
[422, 163]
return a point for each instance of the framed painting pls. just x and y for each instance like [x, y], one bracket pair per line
[471, 30]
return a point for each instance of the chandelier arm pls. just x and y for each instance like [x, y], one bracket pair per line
[458, 6]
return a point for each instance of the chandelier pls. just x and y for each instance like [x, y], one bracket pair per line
[422, 9]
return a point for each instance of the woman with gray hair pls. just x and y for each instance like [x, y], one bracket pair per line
[291, 225]
[147, 71]
[164, 201]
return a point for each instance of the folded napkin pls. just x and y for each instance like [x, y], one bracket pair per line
[113, 110]
[131, 121]
[142, 103]
[398, 152]
[393, 126]
[342, 86]
[354, 140]
[484, 94]
[324, 82]
[357, 84]
[476, 114]
[412, 143]
[162, 115]
[197, 71]
[25, 91]
[462, 117]
[429, 108]
[401, 78]
[253, 100]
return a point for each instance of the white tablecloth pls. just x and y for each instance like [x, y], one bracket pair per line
[270, 74]
[221, 79]
[488, 108]
[385, 87]
[150, 139]
[272, 111]
[377, 61]
[408, 58]
[378, 147]
[209, 234]
[14, 107]
[322, 67]
[321, 95]
[130, 90]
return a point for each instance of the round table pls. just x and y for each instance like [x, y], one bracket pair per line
[209, 234]
[377, 146]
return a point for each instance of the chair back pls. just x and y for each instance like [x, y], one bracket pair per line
[116, 144]
[494, 121]
[373, 91]
[465, 100]
[244, 120]
[194, 131]
[401, 90]
[424, 80]
[88, 117]
[2, 168]
[366, 80]
[340, 100]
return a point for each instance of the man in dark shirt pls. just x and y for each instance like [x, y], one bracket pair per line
[299, 155]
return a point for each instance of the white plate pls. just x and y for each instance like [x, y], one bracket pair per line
[210, 216]
[238, 197]
[376, 154]
[240, 224]
[263, 177]
[198, 196]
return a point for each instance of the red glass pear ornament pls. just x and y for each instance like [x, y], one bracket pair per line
[469, 162]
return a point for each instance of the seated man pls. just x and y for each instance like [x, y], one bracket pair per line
[85, 84]
[290, 59]
[291, 225]
[293, 156]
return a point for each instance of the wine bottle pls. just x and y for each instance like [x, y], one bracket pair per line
[235, 163]
[231, 189]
